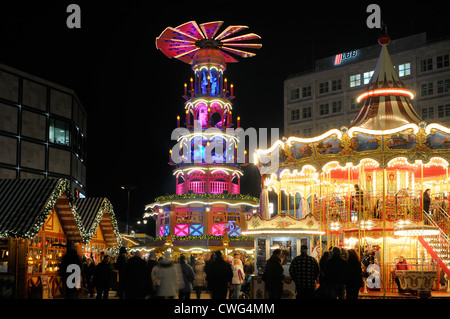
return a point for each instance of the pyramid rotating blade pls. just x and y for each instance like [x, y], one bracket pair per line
[249, 36]
[228, 58]
[241, 53]
[244, 45]
[192, 29]
[230, 30]
[210, 28]
[173, 48]
[174, 34]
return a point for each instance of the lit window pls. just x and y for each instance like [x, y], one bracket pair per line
[404, 69]
[59, 132]
[355, 80]
[367, 77]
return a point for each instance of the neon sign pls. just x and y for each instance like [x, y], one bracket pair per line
[341, 57]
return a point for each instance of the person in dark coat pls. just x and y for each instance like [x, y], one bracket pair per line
[88, 274]
[188, 278]
[354, 280]
[273, 275]
[151, 263]
[219, 275]
[70, 258]
[120, 267]
[336, 274]
[137, 277]
[102, 278]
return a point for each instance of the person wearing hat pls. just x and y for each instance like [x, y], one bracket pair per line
[304, 271]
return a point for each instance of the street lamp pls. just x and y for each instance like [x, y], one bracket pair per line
[128, 188]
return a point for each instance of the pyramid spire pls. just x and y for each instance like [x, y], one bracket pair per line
[387, 102]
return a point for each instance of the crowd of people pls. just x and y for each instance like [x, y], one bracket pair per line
[338, 274]
[138, 278]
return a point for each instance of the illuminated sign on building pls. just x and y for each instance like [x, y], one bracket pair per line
[341, 57]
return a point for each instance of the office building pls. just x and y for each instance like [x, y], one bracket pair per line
[42, 130]
[325, 98]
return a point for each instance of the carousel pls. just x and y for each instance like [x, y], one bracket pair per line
[379, 185]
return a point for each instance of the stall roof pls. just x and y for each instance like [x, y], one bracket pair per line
[26, 203]
[92, 213]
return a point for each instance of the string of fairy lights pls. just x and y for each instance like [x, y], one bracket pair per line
[63, 186]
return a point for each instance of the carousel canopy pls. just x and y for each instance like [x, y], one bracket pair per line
[387, 102]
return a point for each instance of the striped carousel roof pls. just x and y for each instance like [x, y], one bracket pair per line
[387, 102]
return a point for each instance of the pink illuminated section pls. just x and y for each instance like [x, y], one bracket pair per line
[182, 230]
[218, 229]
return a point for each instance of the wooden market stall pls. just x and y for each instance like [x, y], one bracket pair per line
[37, 223]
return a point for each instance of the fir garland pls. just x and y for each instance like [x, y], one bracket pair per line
[204, 236]
[207, 196]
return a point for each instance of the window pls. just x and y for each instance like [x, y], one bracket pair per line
[353, 104]
[295, 115]
[355, 80]
[367, 77]
[443, 86]
[426, 89]
[336, 106]
[444, 110]
[324, 127]
[307, 132]
[323, 87]
[295, 94]
[428, 113]
[426, 65]
[324, 109]
[59, 132]
[336, 85]
[442, 61]
[404, 69]
[306, 91]
[307, 112]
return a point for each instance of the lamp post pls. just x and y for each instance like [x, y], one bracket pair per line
[128, 188]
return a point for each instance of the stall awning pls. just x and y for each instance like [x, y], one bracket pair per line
[25, 204]
[95, 212]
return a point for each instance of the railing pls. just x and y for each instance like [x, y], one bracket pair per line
[350, 208]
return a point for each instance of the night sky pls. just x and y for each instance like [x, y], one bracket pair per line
[133, 93]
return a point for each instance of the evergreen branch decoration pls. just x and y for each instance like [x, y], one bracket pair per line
[207, 196]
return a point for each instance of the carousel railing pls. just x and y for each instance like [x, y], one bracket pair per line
[345, 207]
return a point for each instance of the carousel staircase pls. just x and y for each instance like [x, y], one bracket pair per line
[438, 246]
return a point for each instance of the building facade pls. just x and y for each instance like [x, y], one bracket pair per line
[317, 101]
[43, 130]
